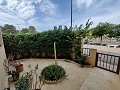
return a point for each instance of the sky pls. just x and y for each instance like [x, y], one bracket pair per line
[45, 14]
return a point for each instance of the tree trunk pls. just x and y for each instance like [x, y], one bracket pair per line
[101, 39]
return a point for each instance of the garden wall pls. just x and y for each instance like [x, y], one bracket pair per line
[3, 75]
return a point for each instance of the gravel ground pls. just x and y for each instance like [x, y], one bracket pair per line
[74, 80]
[78, 78]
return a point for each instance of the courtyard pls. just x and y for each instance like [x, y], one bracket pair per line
[78, 78]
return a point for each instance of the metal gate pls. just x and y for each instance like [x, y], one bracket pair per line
[108, 62]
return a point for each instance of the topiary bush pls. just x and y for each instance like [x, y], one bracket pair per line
[53, 72]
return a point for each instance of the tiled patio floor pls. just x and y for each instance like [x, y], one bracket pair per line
[78, 78]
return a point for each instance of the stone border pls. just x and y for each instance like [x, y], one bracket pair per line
[77, 63]
[54, 82]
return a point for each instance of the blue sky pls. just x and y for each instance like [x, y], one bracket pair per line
[44, 14]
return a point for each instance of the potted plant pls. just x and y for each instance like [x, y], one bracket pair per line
[24, 83]
[15, 75]
[30, 80]
[19, 67]
[39, 80]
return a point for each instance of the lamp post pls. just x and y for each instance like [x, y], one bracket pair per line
[71, 12]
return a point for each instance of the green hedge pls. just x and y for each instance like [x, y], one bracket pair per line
[40, 43]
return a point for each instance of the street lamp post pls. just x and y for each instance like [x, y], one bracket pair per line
[71, 12]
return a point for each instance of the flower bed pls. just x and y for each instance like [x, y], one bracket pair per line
[53, 74]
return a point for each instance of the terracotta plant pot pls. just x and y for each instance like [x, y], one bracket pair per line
[37, 54]
[18, 56]
[58, 54]
[25, 55]
[49, 55]
[53, 55]
[43, 54]
[19, 68]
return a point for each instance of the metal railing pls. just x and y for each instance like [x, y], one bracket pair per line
[108, 62]
[85, 51]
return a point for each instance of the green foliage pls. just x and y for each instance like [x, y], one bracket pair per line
[53, 72]
[40, 42]
[24, 83]
[9, 29]
[104, 29]
[32, 29]
[15, 75]
[79, 58]
[30, 80]
[83, 31]
[117, 30]
[24, 30]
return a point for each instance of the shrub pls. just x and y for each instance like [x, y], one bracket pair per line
[79, 58]
[53, 72]
[40, 42]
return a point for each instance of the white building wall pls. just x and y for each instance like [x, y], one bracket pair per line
[3, 75]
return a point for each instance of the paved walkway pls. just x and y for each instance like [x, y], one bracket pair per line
[99, 79]
[78, 78]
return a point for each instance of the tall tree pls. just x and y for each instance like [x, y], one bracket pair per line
[111, 30]
[117, 30]
[24, 31]
[101, 30]
[8, 29]
[32, 29]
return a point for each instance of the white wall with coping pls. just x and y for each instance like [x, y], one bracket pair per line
[3, 74]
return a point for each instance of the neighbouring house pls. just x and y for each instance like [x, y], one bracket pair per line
[3, 75]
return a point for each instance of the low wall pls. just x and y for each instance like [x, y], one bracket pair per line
[92, 58]
[119, 73]
[3, 75]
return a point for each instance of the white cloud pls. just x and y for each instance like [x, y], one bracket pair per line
[10, 19]
[1, 1]
[37, 1]
[87, 3]
[24, 9]
[34, 22]
[24, 12]
[112, 18]
[48, 7]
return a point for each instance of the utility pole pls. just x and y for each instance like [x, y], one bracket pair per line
[71, 13]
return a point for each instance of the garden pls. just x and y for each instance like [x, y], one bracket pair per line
[58, 44]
